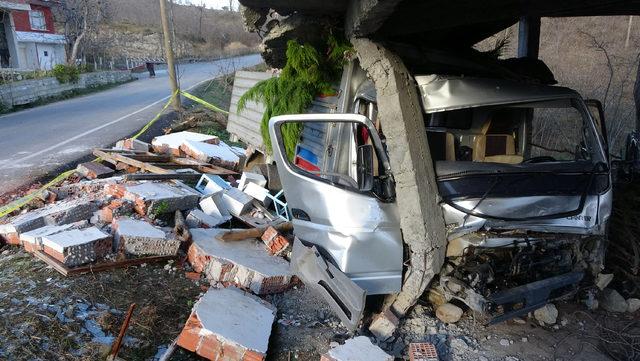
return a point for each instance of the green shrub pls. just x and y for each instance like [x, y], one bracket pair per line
[66, 73]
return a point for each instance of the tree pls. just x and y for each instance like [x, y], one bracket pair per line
[80, 19]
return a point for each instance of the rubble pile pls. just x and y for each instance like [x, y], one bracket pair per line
[218, 220]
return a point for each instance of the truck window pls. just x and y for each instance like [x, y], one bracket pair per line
[548, 131]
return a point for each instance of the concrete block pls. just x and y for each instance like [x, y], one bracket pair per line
[93, 170]
[229, 324]
[214, 206]
[357, 349]
[77, 246]
[140, 238]
[384, 325]
[171, 143]
[236, 201]
[424, 351]
[269, 171]
[153, 198]
[275, 242]
[58, 213]
[242, 263]
[32, 240]
[449, 313]
[210, 184]
[219, 154]
[247, 178]
[135, 144]
[198, 219]
[258, 193]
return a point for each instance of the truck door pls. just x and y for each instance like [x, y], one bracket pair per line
[343, 207]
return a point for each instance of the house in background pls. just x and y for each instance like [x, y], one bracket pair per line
[27, 36]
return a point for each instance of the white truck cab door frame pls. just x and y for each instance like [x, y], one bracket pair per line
[333, 194]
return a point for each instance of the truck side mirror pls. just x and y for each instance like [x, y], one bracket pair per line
[365, 167]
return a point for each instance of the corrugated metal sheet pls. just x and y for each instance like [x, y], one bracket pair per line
[246, 125]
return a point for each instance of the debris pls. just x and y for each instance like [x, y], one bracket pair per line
[244, 264]
[180, 227]
[116, 208]
[258, 193]
[141, 238]
[65, 271]
[194, 276]
[171, 143]
[58, 213]
[242, 234]
[384, 325]
[422, 352]
[198, 219]
[133, 144]
[633, 305]
[255, 178]
[275, 242]
[94, 170]
[228, 324]
[215, 207]
[612, 301]
[116, 345]
[546, 315]
[32, 240]
[449, 313]
[236, 201]
[153, 198]
[76, 247]
[504, 342]
[358, 348]
[219, 154]
[603, 280]
[210, 184]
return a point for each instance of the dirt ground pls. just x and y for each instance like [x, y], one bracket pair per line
[46, 316]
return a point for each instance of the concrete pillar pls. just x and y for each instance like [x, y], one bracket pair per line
[529, 37]
[421, 218]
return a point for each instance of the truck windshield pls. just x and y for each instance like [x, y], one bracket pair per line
[546, 148]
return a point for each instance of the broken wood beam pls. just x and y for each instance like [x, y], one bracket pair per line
[203, 167]
[113, 157]
[178, 176]
[66, 271]
[125, 325]
[239, 235]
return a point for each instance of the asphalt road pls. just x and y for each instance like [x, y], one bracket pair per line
[36, 141]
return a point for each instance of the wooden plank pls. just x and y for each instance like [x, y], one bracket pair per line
[136, 163]
[239, 235]
[66, 271]
[148, 176]
[203, 167]
[151, 158]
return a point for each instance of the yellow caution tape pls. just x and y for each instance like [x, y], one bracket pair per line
[204, 103]
[19, 203]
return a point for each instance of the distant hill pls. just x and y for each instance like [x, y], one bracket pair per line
[133, 29]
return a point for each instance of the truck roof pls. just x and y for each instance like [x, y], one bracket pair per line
[441, 93]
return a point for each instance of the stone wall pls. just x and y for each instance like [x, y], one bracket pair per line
[29, 91]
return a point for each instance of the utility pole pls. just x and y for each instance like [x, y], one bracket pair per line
[168, 49]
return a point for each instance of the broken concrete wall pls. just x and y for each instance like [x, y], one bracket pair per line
[421, 219]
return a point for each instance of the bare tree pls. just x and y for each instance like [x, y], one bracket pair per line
[80, 19]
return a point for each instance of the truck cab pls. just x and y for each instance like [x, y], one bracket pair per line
[523, 179]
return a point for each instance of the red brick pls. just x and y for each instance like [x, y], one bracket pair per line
[197, 260]
[11, 238]
[195, 276]
[250, 355]
[275, 242]
[190, 336]
[210, 347]
[232, 352]
[422, 352]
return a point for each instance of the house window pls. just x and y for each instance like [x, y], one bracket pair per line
[37, 20]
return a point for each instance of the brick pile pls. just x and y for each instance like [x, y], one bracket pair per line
[229, 324]
[241, 263]
[77, 246]
[154, 198]
[275, 242]
[140, 238]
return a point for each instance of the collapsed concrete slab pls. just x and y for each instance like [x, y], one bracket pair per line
[241, 263]
[140, 238]
[93, 170]
[258, 193]
[58, 213]
[229, 324]
[198, 219]
[32, 240]
[171, 143]
[219, 154]
[154, 198]
[355, 349]
[77, 246]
